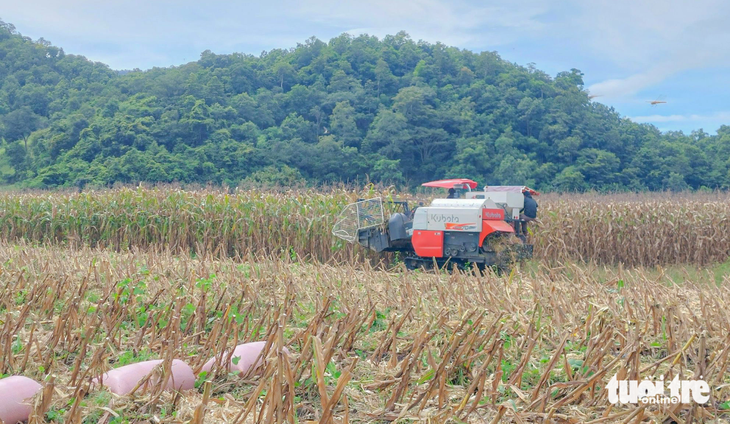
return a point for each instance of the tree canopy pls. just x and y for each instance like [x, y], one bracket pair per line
[355, 108]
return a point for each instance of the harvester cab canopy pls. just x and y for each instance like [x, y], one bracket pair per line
[456, 186]
[456, 183]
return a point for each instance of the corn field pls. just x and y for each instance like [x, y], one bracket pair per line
[364, 345]
[201, 222]
[633, 230]
[636, 231]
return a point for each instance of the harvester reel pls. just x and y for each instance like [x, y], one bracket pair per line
[358, 216]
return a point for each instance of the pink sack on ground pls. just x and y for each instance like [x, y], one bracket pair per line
[15, 396]
[122, 380]
[244, 356]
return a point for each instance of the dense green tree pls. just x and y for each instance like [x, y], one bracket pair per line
[388, 134]
[344, 126]
[388, 171]
[356, 108]
[20, 123]
[570, 179]
[385, 80]
[598, 166]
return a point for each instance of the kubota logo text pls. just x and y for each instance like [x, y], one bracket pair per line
[443, 218]
[493, 214]
[653, 392]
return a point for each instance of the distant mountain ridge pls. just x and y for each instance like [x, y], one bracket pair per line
[355, 108]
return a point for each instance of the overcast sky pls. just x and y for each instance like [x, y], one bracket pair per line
[631, 51]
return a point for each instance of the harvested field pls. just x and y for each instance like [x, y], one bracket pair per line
[365, 345]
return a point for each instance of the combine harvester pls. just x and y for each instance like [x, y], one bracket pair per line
[473, 229]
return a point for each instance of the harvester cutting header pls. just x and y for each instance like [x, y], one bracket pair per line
[468, 227]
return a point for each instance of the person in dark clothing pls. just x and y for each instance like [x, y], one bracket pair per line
[528, 212]
[530, 207]
[452, 194]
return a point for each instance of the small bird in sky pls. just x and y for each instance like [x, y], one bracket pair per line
[659, 100]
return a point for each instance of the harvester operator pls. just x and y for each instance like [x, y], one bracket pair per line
[528, 212]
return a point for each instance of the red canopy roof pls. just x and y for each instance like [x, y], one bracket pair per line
[454, 183]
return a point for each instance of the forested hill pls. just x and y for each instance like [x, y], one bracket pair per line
[391, 110]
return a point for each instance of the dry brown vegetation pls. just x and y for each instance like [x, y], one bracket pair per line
[365, 345]
[97, 280]
[647, 230]
[630, 229]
